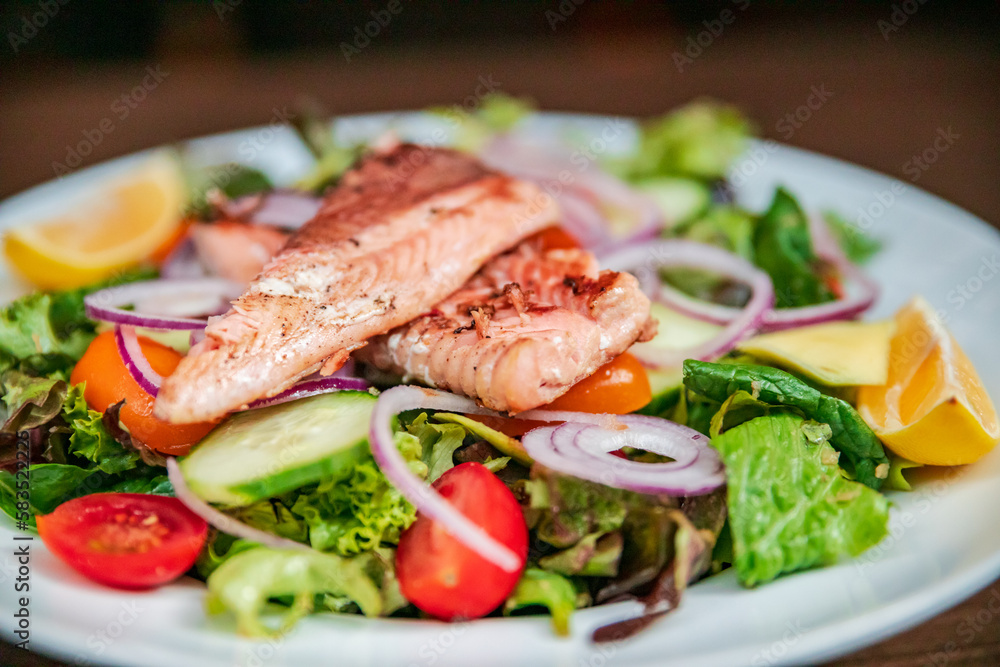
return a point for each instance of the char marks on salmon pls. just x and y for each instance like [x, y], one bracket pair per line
[400, 232]
[525, 329]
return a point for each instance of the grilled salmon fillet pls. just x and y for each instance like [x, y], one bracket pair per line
[525, 329]
[401, 231]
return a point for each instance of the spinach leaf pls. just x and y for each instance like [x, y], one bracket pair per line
[783, 248]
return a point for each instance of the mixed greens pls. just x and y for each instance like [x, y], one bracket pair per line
[802, 467]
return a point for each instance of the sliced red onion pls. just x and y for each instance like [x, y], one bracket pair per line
[428, 501]
[584, 451]
[866, 291]
[106, 304]
[312, 388]
[279, 208]
[581, 190]
[221, 520]
[826, 247]
[135, 361]
[647, 260]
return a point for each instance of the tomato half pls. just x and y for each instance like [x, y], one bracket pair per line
[125, 540]
[442, 576]
[108, 382]
[618, 387]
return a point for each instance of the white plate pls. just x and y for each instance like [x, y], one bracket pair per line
[946, 535]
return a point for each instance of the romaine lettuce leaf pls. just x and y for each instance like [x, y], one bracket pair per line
[547, 589]
[244, 583]
[789, 506]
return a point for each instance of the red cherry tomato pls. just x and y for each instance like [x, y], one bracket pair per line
[554, 238]
[125, 540]
[442, 576]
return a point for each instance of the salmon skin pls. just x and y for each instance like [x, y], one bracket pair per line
[525, 329]
[401, 231]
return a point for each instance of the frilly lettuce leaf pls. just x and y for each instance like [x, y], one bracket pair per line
[789, 506]
[699, 140]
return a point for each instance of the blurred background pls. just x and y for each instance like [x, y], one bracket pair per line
[895, 76]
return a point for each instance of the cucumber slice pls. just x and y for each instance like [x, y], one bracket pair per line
[678, 198]
[263, 453]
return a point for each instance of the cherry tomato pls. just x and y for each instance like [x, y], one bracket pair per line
[442, 576]
[618, 387]
[125, 540]
[555, 238]
[108, 382]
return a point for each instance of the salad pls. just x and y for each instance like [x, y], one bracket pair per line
[749, 420]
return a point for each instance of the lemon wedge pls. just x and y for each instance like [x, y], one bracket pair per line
[123, 221]
[934, 408]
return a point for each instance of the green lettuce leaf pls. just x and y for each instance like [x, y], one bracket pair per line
[789, 506]
[856, 244]
[90, 440]
[244, 583]
[699, 140]
[783, 248]
[497, 113]
[547, 589]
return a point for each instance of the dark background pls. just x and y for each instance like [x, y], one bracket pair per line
[898, 73]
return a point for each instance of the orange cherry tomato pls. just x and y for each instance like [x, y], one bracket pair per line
[618, 387]
[108, 382]
[555, 238]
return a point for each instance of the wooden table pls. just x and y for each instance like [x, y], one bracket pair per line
[888, 100]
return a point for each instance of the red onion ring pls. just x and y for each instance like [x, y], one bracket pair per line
[584, 451]
[307, 388]
[222, 521]
[289, 209]
[106, 304]
[826, 247]
[182, 263]
[652, 256]
[577, 187]
[135, 361]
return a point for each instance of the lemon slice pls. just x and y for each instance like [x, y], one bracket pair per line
[934, 408]
[123, 221]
